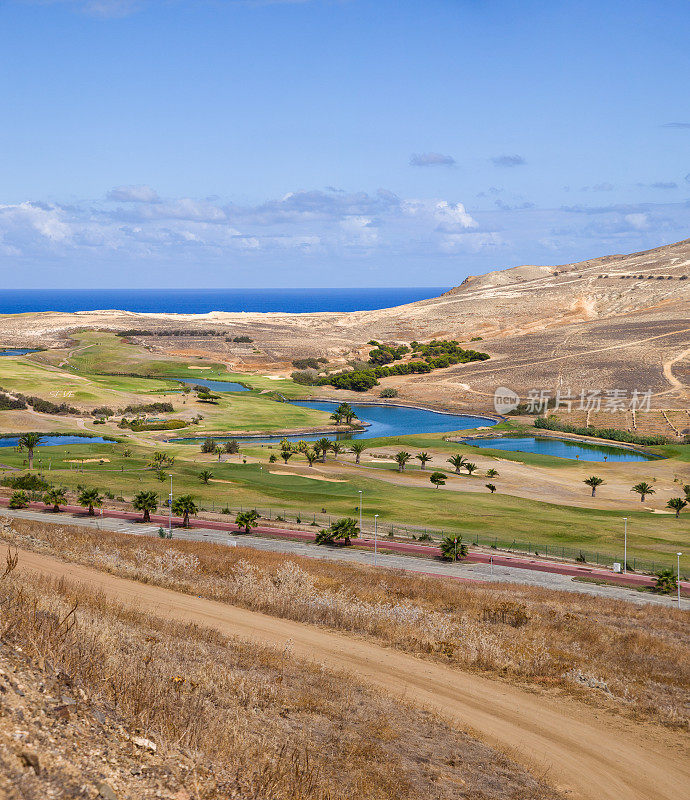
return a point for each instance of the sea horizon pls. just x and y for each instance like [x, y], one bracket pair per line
[203, 301]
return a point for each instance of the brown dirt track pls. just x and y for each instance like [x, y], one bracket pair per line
[590, 754]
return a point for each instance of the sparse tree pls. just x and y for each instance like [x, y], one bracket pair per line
[145, 502]
[358, 447]
[324, 445]
[310, 455]
[205, 476]
[343, 530]
[183, 506]
[470, 467]
[91, 499]
[286, 455]
[55, 497]
[492, 473]
[490, 487]
[29, 442]
[247, 520]
[438, 479]
[453, 548]
[337, 448]
[423, 457]
[677, 504]
[643, 489]
[457, 461]
[19, 499]
[593, 482]
[401, 459]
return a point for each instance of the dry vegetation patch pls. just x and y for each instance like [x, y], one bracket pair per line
[628, 658]
[94, 693]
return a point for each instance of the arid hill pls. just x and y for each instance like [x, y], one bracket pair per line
[616, 322]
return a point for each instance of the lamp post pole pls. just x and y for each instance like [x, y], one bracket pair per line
[376, 520]
[678, 555]
[170, 510]
[360, 511]
[625, 544]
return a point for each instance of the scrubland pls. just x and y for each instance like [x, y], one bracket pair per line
[99, 700]
[629, 659]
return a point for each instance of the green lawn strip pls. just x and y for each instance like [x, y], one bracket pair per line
[506, 518]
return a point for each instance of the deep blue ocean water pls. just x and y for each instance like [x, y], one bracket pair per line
[201, 301]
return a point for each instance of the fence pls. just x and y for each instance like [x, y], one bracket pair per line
[430, 535]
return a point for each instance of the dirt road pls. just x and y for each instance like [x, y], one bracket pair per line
[581, 751]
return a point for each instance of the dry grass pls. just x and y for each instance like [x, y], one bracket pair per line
[628, 658]
[230, 720]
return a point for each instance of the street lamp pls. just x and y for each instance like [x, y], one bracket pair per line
[625, 544]
[170, 510]
[376, 519]
[678, 576]
[360, 510]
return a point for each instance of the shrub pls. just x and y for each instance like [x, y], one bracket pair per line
[306, 363]
[8, 403]
[102, 411]
[19, 499]
[666, 582]
[208, 445]
[389, 391]
[27, 482]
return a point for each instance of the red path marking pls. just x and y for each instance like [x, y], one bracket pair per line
[518, 562]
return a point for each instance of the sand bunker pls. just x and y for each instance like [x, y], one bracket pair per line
[220, 480]
[310, 477]
[86, 460]
[192, 367]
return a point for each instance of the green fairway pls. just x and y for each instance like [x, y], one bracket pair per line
[507, 518]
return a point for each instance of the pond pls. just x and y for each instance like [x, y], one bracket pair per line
[50, 441]
[384, 420]
[561, 448]
[18, 351]
[214, 386]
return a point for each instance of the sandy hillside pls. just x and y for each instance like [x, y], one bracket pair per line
[620, 321]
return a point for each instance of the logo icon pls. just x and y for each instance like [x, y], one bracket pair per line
[505, 400]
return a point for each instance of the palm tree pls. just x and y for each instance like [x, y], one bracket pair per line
[343, 530]
[205, 475]
[438, 479]
[457, 461]
[286, 455]
[247, 520]
[90, 498]
[453, 548]
[184, 506]
[301, 446]
[643, 489]
[358, 447]
[219, 452]
[423, 457]
[492, 473]
[346, 412]
[146, 502]
[593, 481]
[686, 491]
[402, 458]
[337, 448]
[55, 497]
[324, 446]
[470, 467]
[491, 487]
[30, 441]
[677, 504]
[19, 499]
[310, 455]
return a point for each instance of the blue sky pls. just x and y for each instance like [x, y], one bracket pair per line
[336, 142]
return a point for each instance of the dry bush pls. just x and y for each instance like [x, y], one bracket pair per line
[243, 721]
[627, 657]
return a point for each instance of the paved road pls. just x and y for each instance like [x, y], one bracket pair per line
[274, 541]
[585, 753]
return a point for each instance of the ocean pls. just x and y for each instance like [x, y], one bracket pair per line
[201, 301]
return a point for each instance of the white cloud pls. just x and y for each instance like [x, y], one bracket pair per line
[133, 194]
[431, 160]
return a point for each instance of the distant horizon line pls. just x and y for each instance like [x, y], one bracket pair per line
[227, 289]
